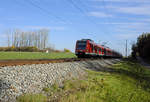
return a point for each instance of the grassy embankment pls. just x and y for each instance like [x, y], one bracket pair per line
[125, 82]
[34, 55]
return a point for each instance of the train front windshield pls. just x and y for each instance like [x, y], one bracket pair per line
[81, 45]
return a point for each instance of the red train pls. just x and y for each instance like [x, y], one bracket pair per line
[87, 48]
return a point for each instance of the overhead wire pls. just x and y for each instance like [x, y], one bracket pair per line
[45, 11]
[35, 4]
[82, 12]
[107, 12]
[67, 18]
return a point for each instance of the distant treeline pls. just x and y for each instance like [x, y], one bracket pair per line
[31, 49]
[29, 41]
[22, 49]
[142, 47]
[17, 38]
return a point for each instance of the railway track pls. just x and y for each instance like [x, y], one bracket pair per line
[4, 63]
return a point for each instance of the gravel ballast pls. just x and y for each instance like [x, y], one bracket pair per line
[17, 80]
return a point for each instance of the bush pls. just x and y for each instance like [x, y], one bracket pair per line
[57, 51]
[29, 49]
[66, 50]
[2, 49]
[23, 49]
[146, 51]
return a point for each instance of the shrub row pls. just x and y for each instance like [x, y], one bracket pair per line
[22, 49]
[31, 49]
[66, 50]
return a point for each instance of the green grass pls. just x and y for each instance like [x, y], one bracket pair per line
[32, 98]
[125, 82]
[34, 55]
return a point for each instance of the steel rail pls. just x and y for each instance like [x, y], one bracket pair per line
[17, 62]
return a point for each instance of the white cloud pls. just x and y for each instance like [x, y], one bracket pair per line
[99, 14]
[140, 1]
[123, 23]
[145, 20]
[2, 36]
[13, 19]
[127, 36]
[130, 31]
[141, 8]
[135, 26]
[138, 10]
[3, 40]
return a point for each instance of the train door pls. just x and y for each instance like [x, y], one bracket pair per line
[105, 52]
[90, 48]
[97, 52]
[87, 47]
[100, 51]
[93, 49]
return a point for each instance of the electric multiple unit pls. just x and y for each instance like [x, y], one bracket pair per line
[87, 48]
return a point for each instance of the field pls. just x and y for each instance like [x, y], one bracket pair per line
[126, 81]
[34, 55]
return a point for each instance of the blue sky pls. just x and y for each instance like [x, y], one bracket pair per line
[111, 21]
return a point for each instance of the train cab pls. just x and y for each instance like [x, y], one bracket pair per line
[81, 47]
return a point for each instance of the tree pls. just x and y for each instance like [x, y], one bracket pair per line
[8, 33]
[66, 50]
[38, 38]
[142, 46]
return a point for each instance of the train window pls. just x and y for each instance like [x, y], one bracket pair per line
[81, 45]
[93, 48]
[104, 51]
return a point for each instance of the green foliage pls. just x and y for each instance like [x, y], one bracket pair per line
[32, 98]
[134, 50]
[46, 89]
[127, 82]
[142, 46]
[66, 50]
[17, 49]
[54, 88]
[35, 55]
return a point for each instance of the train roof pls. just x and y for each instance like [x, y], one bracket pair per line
[87, 39]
